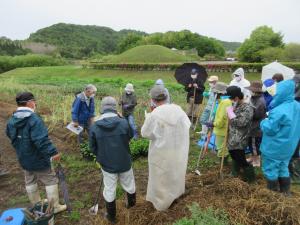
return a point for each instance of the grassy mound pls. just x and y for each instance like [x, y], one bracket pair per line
[149, 54]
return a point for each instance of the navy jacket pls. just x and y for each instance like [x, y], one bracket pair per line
[81, 111]
[29, 137]
[109, 141]
[199, 90]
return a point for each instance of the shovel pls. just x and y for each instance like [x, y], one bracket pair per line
[94, 209]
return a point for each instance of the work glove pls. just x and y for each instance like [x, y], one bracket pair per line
[231, 115]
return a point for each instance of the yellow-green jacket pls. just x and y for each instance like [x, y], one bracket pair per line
[220, 123]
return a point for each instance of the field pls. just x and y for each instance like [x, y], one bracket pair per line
[231, 200]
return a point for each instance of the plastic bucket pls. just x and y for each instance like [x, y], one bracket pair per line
[45, 220]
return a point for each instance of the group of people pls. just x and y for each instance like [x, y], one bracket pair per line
[238, 115]
[263, 118]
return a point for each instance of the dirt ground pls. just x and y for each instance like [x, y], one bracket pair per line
[245, 204]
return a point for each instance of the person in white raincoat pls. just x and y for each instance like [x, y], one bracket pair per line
[240, 81]
[167, 127]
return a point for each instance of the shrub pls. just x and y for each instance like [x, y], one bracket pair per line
[207, 216]
[31, 60]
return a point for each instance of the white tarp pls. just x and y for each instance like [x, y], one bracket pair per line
[167, 127]
[269, 70]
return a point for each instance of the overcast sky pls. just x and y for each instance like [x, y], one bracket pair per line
[229, 20]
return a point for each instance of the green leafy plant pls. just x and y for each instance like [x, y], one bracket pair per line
[207, 216]
[86, 153]
[139, 147]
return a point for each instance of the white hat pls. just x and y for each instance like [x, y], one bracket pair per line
[213, 78]
[129, 87]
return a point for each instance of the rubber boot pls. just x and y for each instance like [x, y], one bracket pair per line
[131, 200]
[235, 169]
[273, 185]
[249, 174]
[33, 193]
[110, 214]
[52, 195]
[285, 183]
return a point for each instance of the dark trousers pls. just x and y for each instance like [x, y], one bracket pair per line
[238, 155]
[254, 145]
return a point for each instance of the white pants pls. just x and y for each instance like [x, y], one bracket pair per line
[110, 181]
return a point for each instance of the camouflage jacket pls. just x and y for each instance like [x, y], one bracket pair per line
[239, 127]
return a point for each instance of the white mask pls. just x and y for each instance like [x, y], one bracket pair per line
[238, 79]
[194, 76]
[211, 85]
[128, 92]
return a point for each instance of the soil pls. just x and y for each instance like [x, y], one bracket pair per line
[244, 203]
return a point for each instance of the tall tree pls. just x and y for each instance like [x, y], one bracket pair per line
[261, 38]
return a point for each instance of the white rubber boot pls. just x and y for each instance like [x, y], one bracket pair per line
[33, 193]
[52, 194]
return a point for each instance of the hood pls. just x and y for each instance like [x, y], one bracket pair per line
[169, 113]
[240, 72]
[297, 90]
[108, 121]
[285, 92]
[20, 118]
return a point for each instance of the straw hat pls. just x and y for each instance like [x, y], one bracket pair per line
[213, 78]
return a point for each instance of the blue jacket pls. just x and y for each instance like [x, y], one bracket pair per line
[109, 141]
[281, 130]
[81, 112]
[29, 137]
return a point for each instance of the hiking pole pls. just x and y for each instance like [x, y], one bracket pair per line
[193, 106]
[94, 209]
[208, 135]
[224, 147]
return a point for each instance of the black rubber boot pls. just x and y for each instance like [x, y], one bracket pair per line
[110, 214]
[273, 185]
[226, 163]
[235, 169]
[131, 200]
[249, 174]
[285, 183]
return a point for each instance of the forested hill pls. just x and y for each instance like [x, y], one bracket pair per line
[77, 41]
[80, 41]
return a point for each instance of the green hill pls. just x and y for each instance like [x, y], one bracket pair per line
[78, 41]
[149, 54]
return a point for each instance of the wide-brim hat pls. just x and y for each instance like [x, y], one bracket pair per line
[213, 78]
[256, 86]
[220, 88]
[129, 87]
[158, 93]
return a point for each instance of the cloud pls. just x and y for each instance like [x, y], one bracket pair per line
[231, 20]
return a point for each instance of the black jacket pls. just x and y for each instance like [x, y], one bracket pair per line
[29, 137]
[128, 102]
[199, 90]
[259, 104]
[109, 141]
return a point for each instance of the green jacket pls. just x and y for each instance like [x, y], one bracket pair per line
[128, 102]
[221, 120]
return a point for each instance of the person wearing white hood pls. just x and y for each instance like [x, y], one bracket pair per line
[167, 127]
[240, 81]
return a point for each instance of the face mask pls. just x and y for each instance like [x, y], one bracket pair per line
[128, 92]
[234, 104]
[238, 79]
[212, 85]
[194, 76]
[272, 90]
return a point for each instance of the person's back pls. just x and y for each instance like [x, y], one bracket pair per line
[111, 134]
[281, 130]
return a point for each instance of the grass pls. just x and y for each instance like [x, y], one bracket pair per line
[149, 54]
[54, 88]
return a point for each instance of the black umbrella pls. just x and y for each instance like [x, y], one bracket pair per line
[62, 180]
[183, 73]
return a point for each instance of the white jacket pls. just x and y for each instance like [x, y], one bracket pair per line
[167, 127]
[243, 83]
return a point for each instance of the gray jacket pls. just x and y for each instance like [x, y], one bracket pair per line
[239, 127]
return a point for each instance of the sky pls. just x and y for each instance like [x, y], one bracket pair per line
[228, 20]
